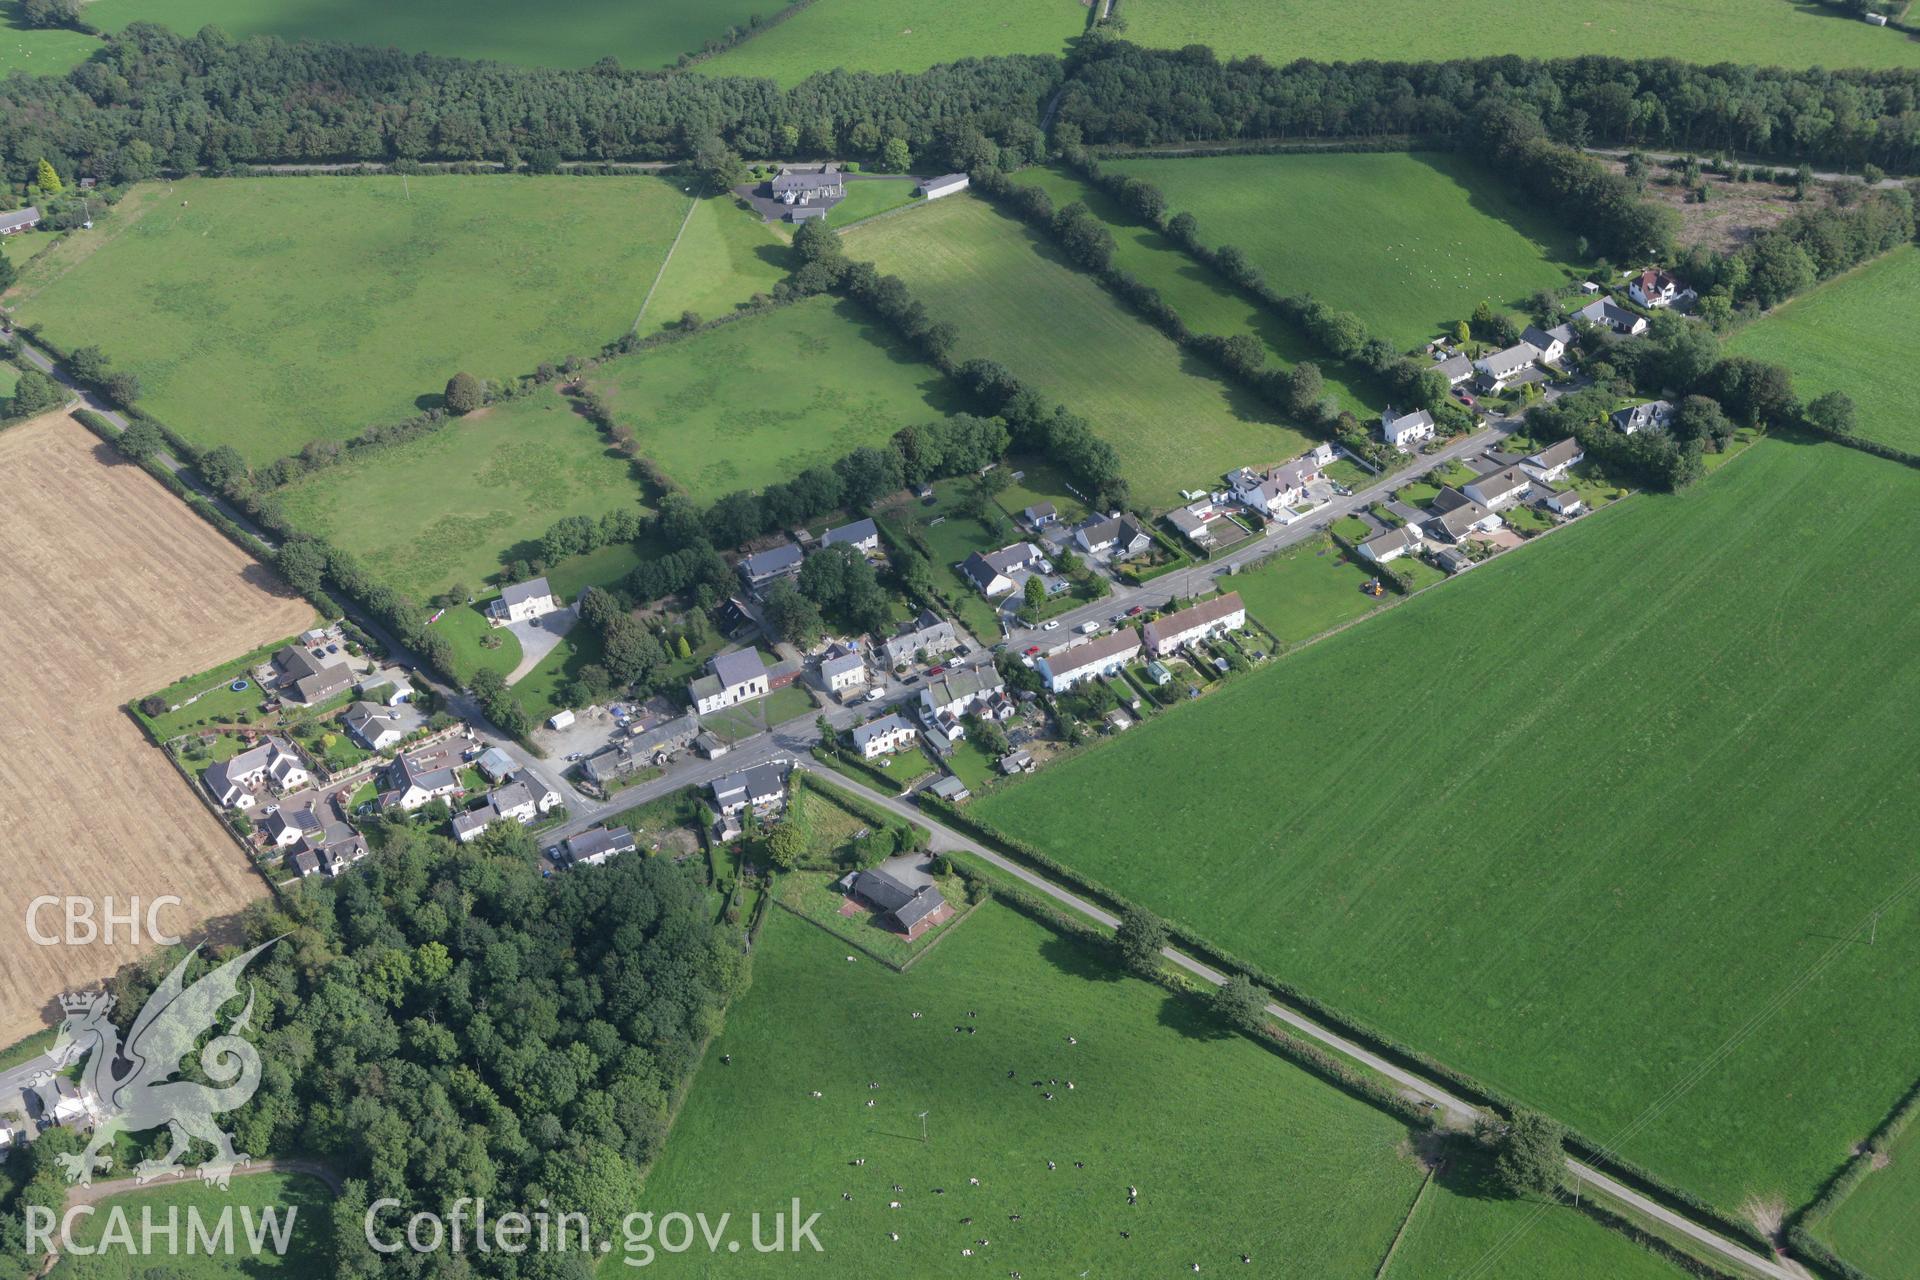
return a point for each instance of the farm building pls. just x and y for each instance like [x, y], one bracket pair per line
[911, 911]
[944, 185]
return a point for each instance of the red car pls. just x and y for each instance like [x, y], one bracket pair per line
[1032, 649]
[1136, 610]
[936, 671]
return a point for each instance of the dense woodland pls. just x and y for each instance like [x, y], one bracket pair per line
[153, 100]
[445, 1023]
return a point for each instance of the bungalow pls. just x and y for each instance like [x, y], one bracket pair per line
[592, 847]
[1404, 431]
[1101, 656]
[1551, 343]
[233, 782]
[388, 689]
[862, 535]
[950, 789]
[734, 678]
[523, 602]
[1653, 288]
[302, 676]
[929, 633]
[1212, 617]
[496, 765]
[1555, 461]
[420, 777]
[1115, 536]
[842, 672]
[883, 737]
[945, 700]
[19, 220]
[1040, 515]
[1498, 490]
[1192, 526]
[791, 188]
[1392, 544]
[995, 573]
[1567, 502]
[1608, 314]
[1456, 369]
[1500, 368]
[1459, 517]
[944, 185]
[763, 568]
[762, 786]
[1641, 417]
[911, 911]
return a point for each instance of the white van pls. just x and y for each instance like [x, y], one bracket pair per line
[1087, 628]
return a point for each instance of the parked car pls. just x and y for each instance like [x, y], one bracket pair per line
[936, 671]
[1136, 611]
[1032, 649]
[876, 693]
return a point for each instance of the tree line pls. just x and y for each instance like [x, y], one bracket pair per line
[1121, 93]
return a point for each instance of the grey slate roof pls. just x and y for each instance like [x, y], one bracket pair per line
[1639, 417]
[738, 667]
[858, 531]
[19, 218]
[521, 592]
[762, 565]
[892, 898]
[865, 733]
[1556, 455]
[600, 840]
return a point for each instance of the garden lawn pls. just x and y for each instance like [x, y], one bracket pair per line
[1015, 300]
[1409, 242]
[455, 505]
[267, 312]
[309, 1240]
[569, 33]
[1877, 1227]
[1161, 1101]
[1778, 33]
[764, 398]
[1304, 590]
[23, 245]
[724, 257]
[1850, 335]
[215, 700]
[900, 35]
[1205, 301]
[1610, 798]
[477, 643]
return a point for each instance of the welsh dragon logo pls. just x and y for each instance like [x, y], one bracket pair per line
[133, 1082]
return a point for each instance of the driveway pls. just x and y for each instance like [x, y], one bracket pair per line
[539, 637]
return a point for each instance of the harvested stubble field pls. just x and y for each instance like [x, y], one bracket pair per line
[117, 588]
[1602, 823]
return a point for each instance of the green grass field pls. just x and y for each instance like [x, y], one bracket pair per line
[23, 245]
[1850, 335]
[1408, 242]
[308, 1242]
[451, 506]
[900, 35]
[1768, 32]
[770, 395]
[265, 313]
[38, 51]
[1305, 590]
[1205, 301]
[1161, 1101]
[725, 256]
[1876, 1227]
[1015, 300]
[570, 33]
[1614, 790]
[9, 378]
